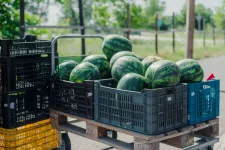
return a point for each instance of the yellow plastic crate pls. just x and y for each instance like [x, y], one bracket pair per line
[26, 127]
[47, 146]
[35, 137]
[13, 136]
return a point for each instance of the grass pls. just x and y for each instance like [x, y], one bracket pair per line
[72, 47]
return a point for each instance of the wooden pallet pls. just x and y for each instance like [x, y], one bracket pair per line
[97, 131]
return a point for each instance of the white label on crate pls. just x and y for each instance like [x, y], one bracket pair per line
[169, 99]
[206, 86]
[12, 106]
[89, 94]
[192, 93]
[5, 105]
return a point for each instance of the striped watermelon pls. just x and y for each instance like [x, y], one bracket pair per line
[64, 69]
[113, 44]
[131, 82]
[140, 58]
[163, 73]
[84, 71]
[149, 60]
[191, 71]
[119, 55]
[101, 62]
[126, 64]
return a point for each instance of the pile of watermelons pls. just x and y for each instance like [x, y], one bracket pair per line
[129, 70]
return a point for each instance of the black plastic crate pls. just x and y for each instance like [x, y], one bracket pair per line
[151, 111]
[24, 107]
[19, 73]
[73, 98]
[24, 47]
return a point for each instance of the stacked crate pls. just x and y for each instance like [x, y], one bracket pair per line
[25, 69]
[35, 136]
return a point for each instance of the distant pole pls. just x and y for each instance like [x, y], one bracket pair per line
[214, 35]
[22, 21]
[82, 25]
[203, 19]
[128, 21]
[190, 24]
[156, 34]
[173, 31]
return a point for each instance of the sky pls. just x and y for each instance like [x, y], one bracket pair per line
[171, 6]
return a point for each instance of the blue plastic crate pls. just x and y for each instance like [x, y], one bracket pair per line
[203, 101]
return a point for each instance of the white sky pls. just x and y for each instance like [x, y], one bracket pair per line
[171, 6]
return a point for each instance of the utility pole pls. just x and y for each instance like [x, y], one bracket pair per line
[128, 21]
[82, 26]
[156, 34]
[190, 24]
[22, 21]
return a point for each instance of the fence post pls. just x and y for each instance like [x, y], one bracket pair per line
[224, 34]
[156, 34]
[214, 35]
[82, 27]
[173, 31]
[22, 22]
[203, 19]
[128, 21]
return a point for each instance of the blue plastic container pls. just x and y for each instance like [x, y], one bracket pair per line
[203, 101]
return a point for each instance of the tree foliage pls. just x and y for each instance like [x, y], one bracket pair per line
[10, 19]
[219, 16]
[71, 11]
[200, 9]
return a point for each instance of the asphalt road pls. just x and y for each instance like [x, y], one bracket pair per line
[214, 65]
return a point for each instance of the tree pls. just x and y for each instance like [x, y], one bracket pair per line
[200, 9]
[10, 21]
[136, 13]
[219, 16]
[71, 11]
[153, 7]
[114, 14]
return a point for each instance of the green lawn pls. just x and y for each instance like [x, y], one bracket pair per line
[72, 47]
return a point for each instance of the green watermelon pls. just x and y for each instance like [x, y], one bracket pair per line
[101, 62]
[131, 82]
[191, 71]
[84, 71]
[140, 58]
[126, 64]
[119, 55]
[113, 44]
[149, 60]
[163, 73]
[64, 69]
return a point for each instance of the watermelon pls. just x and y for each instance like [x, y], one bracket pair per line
[190, 70]
[119, 55]
[149, 60]
[163, 73]
[131, 82]
[140, 58]
[64, 69]
[101, 62]
[126, 64]
[84, 71]
[113, 44]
